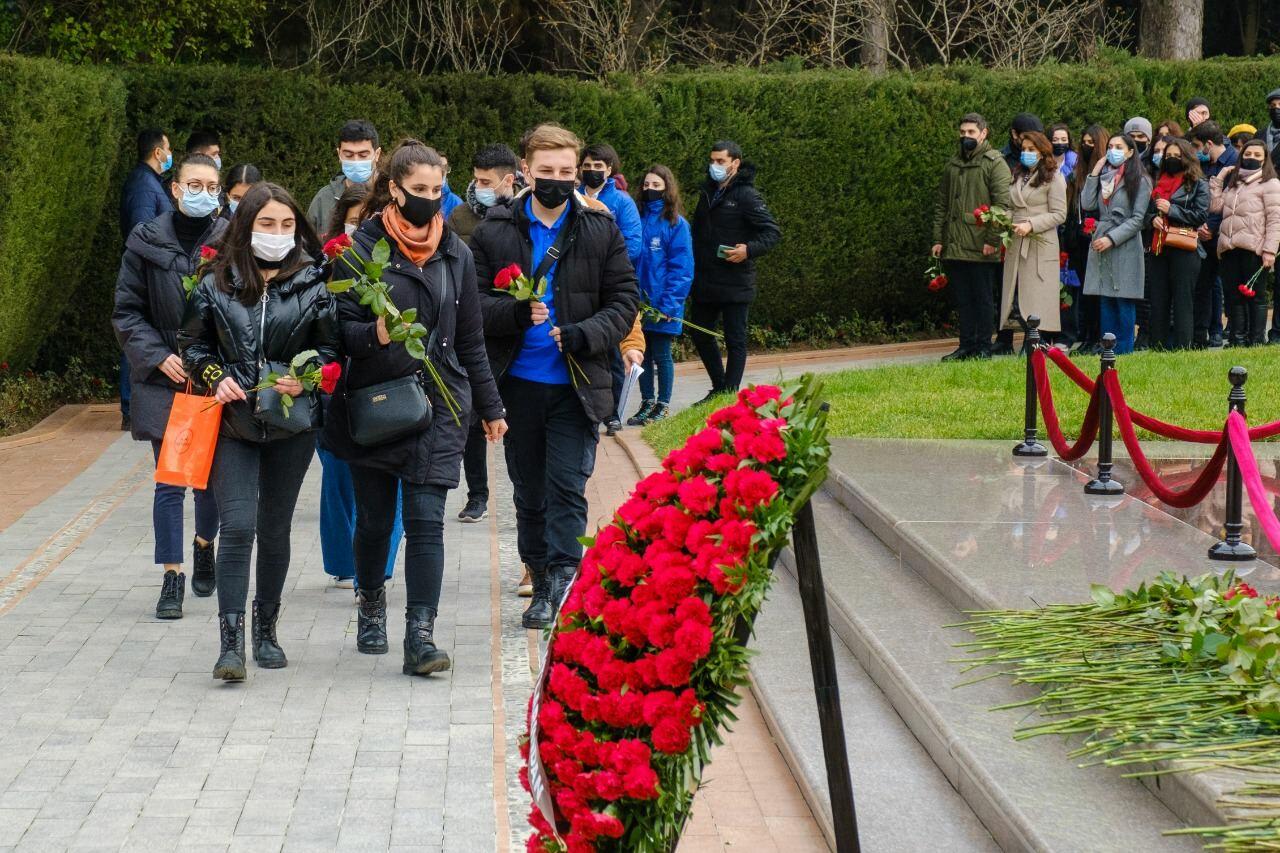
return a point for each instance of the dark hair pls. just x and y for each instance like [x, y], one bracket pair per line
[149, 140]
[1192, 173]
[1241, 138]
[673, 208]
[728, 146]
[202, 139]
[1026, 122]
[1193, 103]
[1171, 128]
[1207, 131]
[194, 160]
[358, 130]
[1084, 165]
[1268, 167]
[1045, 169]
[973, 118]
[407, 156]
[1132, 177]
[1057, 127]
[600, 151]
[235, 249]
[351, 196]
[245, 173]
[497, 156]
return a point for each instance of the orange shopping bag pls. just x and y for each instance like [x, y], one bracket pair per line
[186, 454]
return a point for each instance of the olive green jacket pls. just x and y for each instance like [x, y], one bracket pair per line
[968, 183]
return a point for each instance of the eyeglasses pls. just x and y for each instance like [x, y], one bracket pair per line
[197, 187]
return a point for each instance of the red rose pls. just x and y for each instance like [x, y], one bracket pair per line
[938, 283]
[208, 253]
[749, 488]
[641, 782]
[1246, 291]
[506, 275]
[698, 495]
[329, 375]
[1063, 258]
[335, 247]
[671, 737]
[1090, 225]
[759, 395]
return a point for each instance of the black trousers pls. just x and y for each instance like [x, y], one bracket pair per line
[1171, 287]
[972, 285]
[618, 374]
[422, 510]
[257, 489]
[1248, 316]
[1203, 319]
[550, 450]
[726, 376]
[475, 462]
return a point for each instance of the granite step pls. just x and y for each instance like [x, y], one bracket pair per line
[1028, 795]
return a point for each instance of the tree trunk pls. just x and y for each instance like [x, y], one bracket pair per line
[1250, 16]
[1172, 29]
[874, 54]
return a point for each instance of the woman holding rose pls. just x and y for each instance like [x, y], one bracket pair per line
[261, 304]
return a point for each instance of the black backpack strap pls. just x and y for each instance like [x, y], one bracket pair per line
[560, 247]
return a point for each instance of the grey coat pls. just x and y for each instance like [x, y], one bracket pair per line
[1118, 272]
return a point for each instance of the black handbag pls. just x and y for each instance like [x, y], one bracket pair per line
[268, 407]
[389, 410]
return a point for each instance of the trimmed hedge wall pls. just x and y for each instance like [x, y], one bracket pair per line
[59, 128]
[848, 162]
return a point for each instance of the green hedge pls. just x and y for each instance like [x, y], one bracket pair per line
[59, 126]
[848, 162]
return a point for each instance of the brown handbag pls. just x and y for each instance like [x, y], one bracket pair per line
[1178, 237]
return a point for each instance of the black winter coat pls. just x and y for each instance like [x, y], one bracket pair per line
[444, 296]
[150, 302]
[221, 337]
[595, 289]
[737, 215]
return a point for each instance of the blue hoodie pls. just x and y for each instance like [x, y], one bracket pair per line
[665, 268]
[448, 200]
[626, 215]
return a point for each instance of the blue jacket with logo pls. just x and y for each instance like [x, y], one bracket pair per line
[665, 268]
[626, 215]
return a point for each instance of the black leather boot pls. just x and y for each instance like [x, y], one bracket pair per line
[202, 574]
[266, 650]
[540, 610]
[421, 657]
[172, 591]
[371, 632]
[230, 665]
[559, 579]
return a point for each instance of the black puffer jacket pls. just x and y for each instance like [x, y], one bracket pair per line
[736, 214]
[445, 299]
[149, 305]
[595, 290]
[221, 336]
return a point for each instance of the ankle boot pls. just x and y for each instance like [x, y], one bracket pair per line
[266, 650]
[230, 665]
[203, 576]
[371, 633]
[559, 579]
[641, 417]
[539, 612]
[421, 657]
[657, 413]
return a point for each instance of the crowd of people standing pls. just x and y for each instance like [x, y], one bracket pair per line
[224, 283]
[1162, 237]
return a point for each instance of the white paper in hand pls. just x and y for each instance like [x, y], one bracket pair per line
[627, 385]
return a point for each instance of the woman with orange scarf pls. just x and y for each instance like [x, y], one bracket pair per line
[431, 272]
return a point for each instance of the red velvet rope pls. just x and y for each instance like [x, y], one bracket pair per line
[1248, 465]
[1189, 496]
[1088, 430]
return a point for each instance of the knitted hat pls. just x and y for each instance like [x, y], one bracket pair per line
[1196, 102]
[1024, 122]
[1140, 124]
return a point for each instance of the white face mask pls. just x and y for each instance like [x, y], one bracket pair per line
[272, 248]
[349, 228]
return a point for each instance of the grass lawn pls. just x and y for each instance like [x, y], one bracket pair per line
[985, 399]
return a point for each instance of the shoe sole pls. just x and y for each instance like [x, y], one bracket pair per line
[473, 519]
[373, 650]
[227, 674]
[536, 624]
[200, 593]
[168, 614]
[525, 591]
[427, 668]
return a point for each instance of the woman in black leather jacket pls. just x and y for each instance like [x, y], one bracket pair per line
[262, 302]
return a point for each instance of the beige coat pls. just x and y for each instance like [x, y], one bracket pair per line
[1250, 214]
[1031, 264]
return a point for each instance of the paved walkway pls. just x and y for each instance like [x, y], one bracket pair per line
[118, 738]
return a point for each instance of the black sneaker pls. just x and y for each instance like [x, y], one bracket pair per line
[612, 426]
[475, 511]
[641, 417]
[959, 354]
[711, 395]
[1215, 342]
[126, 424]
[202, 574]
[172, 591]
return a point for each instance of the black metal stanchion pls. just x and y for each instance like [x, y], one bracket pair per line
[1030, 445]
[1231, 548]
[1103, 484]
[813, 596]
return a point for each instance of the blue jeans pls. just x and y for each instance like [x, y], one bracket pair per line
[657, 359]
[167, 520]
[1118, 318]
[126, 386]
[382, 497]
[338, 519]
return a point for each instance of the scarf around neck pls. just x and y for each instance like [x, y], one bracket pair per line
[417, 244]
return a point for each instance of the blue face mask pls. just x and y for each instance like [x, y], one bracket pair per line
[217, 163]
[1156, 160]
[199, 204]
[232, 204]
[168, 163]
[1202, 156]
[1029, 159]
[357, 171]
[1115, 156]
[717, 172]
[487, 196]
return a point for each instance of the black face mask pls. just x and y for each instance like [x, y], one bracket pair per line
[648, 196]
[1250, 165]
[593, 178]
[1060, 148]
[1173, 165]
[1275, 116]
[968, 144]
[1141, 147]
[550, 193]
[1086, 151]
[418, 210]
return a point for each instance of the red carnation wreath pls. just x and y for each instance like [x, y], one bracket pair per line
[643, 665]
